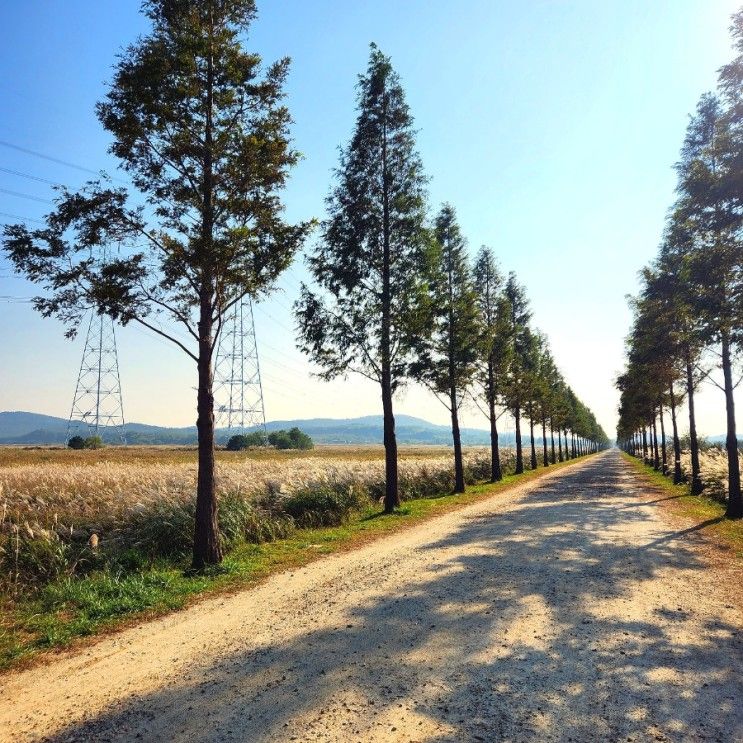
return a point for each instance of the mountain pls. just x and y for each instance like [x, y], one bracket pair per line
[19, 427]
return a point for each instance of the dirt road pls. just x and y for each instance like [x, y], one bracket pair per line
[565, 609]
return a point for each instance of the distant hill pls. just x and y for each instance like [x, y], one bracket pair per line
[19, 427]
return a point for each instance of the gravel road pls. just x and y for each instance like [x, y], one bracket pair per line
[571, 608]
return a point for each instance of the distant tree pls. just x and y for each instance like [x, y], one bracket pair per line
[291, 439]
[93, 442]
[531, 383]
[239, 442]
[517, 383]
[205, 140]
[495, 348]
[76, 442]
[447, 357]
[369, 265]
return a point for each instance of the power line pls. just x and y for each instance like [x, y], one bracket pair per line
[22, 219]
[56, 160]
[273, 320]
[25, 196]
[30, 177]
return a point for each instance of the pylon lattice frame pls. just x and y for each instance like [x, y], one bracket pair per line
[98, 402]
[238, 391]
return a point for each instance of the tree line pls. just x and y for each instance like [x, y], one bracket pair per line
[202, 130]
[688, 316]
[396, 299]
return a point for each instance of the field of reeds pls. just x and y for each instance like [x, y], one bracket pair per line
[67, 513]
[713, 463]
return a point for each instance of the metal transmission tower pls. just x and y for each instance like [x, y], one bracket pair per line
[238, 393]
[98, 403]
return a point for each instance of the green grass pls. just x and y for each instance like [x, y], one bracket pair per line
[68, 610]
[701, 510]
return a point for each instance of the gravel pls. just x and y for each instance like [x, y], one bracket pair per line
[572, 608]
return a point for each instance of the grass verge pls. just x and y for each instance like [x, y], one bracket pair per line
[703, 512]
[71, 611]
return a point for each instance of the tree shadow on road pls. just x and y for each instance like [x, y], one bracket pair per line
[524, 625]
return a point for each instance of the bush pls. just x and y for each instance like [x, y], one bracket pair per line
[76, 442]
[238, 442]
[28, 557]
[94, 442]
[326, 504]
[291, 439]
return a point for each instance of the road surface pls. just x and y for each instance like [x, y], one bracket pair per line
[569, 609]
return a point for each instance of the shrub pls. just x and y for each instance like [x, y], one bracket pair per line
[93, 442]
[76, 442]
[238, 442]
[291, 439]
[325, 504]
[163, 528]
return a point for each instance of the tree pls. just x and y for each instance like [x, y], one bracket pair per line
[369, 265]
[240, 442]
[448, 355]
[291, 439]
[76, 442]
[710, 202]
[494, 321]
[519, 339]
[205, 140]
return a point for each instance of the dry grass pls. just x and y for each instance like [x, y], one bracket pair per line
[53, 487]
[713, 463]
[66, 512]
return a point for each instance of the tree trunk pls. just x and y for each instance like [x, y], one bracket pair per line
[735, 502]
[677, 475]
[458, 464]
[664, 454]
[553, 459]
[519, 451]
[545, 457]
[207, 549]
[696, 473]
[559, 445]
[656, 454]
[645, 459]
[567, 447]
[391, 492]
[496, 473]
[533, 458]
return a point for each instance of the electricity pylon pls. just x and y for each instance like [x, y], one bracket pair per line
[98, 403]
[238, 392]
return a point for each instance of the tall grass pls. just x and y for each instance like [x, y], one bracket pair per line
[61, 519]
[713, 463]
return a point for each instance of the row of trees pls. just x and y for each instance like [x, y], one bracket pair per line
[688, 317]
[281, 439]
[395, 299]
[201, 129]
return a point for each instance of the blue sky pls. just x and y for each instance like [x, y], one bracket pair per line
[552, 126]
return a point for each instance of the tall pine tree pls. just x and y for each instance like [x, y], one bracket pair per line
[447, 358]
[494, 320]
[517, 382]
[370, 264]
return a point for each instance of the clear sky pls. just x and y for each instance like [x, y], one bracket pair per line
[551, 125]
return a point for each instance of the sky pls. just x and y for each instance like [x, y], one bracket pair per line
[551, 125]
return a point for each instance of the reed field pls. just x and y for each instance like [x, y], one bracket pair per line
[713, 462]
[67, 513]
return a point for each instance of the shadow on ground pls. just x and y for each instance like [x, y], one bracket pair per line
[570, 616]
